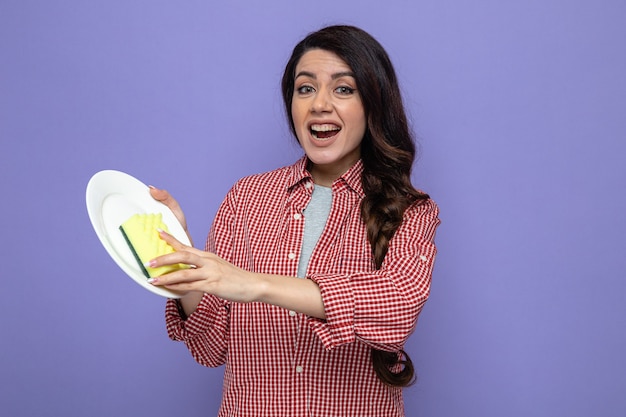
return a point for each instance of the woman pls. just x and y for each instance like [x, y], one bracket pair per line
[346, 218]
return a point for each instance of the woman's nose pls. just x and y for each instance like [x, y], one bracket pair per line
[321, 103]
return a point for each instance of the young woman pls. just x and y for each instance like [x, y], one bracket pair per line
[346, 220]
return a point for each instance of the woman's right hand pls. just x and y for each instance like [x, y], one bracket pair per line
[191, 299]
[164, 197]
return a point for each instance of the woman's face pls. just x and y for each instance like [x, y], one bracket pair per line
[327, 114]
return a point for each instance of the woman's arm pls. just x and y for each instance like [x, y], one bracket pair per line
[380, 307]
[213, 275]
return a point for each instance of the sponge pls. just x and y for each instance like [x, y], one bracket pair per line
[140, 232]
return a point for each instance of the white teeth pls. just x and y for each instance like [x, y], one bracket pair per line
[324, 128]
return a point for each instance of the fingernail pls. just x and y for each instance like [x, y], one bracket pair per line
[153, 280]
[160, 230]
[152, 186]
[150, 263]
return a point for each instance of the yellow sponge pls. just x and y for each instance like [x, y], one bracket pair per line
[140, 232]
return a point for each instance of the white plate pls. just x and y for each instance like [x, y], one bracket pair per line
[112, 197]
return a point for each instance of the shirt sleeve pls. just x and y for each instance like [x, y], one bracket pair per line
[380, 308]
[206, 330]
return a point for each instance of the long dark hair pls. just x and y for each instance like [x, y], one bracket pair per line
[387, 151]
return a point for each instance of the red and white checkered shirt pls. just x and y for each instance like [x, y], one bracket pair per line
[282, 363]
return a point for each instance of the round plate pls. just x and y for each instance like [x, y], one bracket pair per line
[112, 197]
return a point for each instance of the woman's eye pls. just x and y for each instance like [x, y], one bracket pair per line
[344, 90]
[305, 89]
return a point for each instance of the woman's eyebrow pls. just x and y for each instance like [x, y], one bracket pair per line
[334, 76]
[306, 74]
[342, 74]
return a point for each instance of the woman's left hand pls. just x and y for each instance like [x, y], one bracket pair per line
[209, 273]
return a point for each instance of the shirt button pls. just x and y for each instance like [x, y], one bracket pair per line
[292, 313]
[308, 184]
[423, 258]
[299, 369]
[291, 256]
[297, 216]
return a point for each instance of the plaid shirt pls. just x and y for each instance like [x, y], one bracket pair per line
[282, 363]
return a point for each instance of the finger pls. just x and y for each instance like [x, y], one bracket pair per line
[176, 278]
[182, 255]
[177, 244]
[163, 196]
[185, 287]
[171, 240]
[166, 198]
[174, 258]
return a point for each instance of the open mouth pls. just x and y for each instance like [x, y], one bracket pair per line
[324, 131]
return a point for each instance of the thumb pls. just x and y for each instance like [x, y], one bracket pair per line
[165, 197]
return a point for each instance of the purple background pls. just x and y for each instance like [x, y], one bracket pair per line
[520, 111]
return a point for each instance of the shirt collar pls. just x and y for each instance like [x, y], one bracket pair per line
[351, 178]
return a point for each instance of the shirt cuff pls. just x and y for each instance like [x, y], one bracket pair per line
[339, 305]
[207, 314]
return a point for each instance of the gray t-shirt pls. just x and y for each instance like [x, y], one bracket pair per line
[315, 216]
